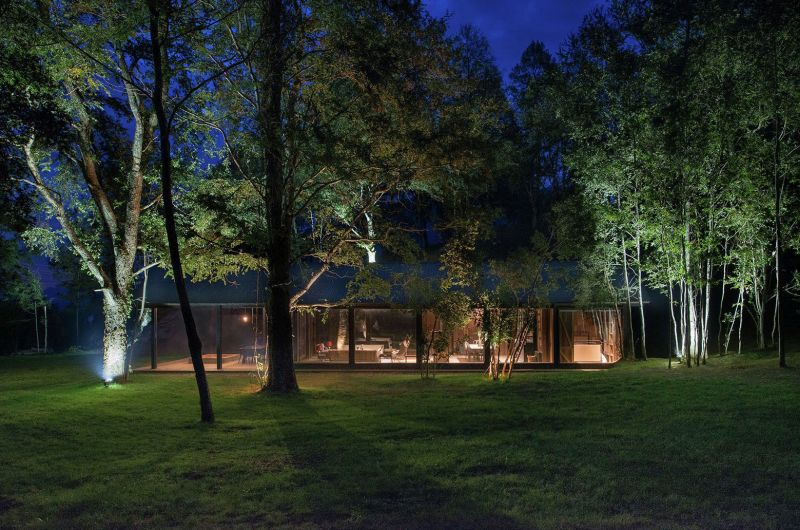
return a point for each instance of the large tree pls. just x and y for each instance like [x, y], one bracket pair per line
[91, 180]
[169, 33]
[342, 116]
[681, 133]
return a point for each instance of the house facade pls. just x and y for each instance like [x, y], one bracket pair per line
[386, 334]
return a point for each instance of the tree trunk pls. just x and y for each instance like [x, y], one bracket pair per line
[36, 326]
[280, 374]
[706, 310]
[741, 319]
[736, 311]
[694, 350]
[639, 279]
[674, 325]
[671, 291]
[195, 346]
[758, 308]
[115, 336]
[45, 328]
[426, 359]
[722, 299]
[684, 326]
[141, 323]
[778, 183]
[641, 306]
[631, 353]
[690, 324]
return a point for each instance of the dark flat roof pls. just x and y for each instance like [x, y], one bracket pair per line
[250, 288]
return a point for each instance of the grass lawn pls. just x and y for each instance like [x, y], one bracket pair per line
[636, 446]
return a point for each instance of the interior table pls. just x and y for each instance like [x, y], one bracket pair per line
[368, 353]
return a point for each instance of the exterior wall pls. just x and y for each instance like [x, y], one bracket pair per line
[383, 337]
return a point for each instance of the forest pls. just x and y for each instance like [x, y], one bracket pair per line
[656, 149]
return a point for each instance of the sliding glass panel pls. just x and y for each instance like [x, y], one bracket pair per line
[385, 336]
[463, 345]
[171, 345]
[539, 346]
[320, 336]
[590, 336]
[243, 336]
[526, 335]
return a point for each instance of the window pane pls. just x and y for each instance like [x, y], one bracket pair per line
[385, 336]
[171, 345]
[526, 334]
[464, 345]
[243, 336]
[592, 336]
[320, 336]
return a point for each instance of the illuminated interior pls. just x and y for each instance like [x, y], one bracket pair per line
[464, 345]
[592, 336]
[234, 337]
[320, 336]
[528, 333]
[385, 336]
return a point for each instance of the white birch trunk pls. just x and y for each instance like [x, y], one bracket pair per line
[693, 326]
[36, 325]
[45, 327]
[706, 310]
[641, 295]
[736, 311]
[115, 336]
[674, 323]
[722, 297]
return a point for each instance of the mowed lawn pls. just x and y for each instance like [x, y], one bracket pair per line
[637, 446]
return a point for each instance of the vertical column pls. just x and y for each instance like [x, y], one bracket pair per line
[556, 337]
[153, 338]
[351, 336]
[219, 337]
[420, 339]
[487, 333]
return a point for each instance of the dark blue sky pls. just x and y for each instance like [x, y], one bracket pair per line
[511, 25]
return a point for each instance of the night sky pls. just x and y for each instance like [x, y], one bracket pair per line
[511, 25]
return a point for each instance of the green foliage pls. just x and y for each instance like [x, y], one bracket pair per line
[391, 113]
[675, 123]
[25, 289]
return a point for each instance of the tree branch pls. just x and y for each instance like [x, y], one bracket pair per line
[60, 212]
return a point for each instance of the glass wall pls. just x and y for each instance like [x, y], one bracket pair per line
[320, 336]
[464, 345]
[593, 336]
[526, 334]
[242, 337]
[382, 336]
[385, 336]
[172, 347]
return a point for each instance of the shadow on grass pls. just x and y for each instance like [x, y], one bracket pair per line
[349, 480]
